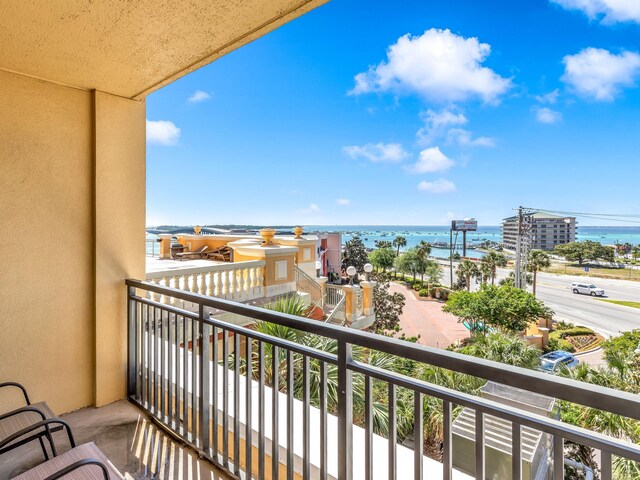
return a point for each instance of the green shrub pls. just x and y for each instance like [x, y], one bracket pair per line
[423, 293]
[562, 325]
[444, 294]
[574, 332]
[558, 343]
[623, 345]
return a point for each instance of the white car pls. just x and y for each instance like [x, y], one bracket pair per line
[587, 289]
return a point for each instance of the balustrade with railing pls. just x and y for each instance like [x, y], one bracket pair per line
[333, 294]
[239, 281]
[307, 284]
[244, 399]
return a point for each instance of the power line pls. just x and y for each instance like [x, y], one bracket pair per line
[614, 217]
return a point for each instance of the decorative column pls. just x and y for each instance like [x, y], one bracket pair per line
[545, 336]
[322, 281]
[165, 246]
[351, 303]
[367, 300]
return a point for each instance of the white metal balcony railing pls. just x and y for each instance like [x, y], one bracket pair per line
[211, 383]
[333, 294]
[239, 281]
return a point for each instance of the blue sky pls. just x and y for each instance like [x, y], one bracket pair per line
[412, 112]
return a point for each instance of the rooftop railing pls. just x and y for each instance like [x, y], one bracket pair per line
[244, 398]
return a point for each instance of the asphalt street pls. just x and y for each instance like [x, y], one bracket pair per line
[606, 318]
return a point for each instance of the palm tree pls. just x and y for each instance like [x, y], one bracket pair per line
[423, 251]
[537, 261]
[398, 242]
[466, 270]
[491, 261]
[485, 272]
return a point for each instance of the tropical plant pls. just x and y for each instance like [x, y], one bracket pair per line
[622, 346]
[466, 270]
[387, 306]
[423, 250]
[355, 254]
[507, 308]
[383, 244]
[537, 261]
[511, 279]
[491, 262]
[585, 250]
[408, 262]
[504, 347]
[399, 242]
[382, 258]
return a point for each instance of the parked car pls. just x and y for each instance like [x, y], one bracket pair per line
[587, 289]
[553, 361]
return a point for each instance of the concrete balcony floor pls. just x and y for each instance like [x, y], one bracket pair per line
[134, 445]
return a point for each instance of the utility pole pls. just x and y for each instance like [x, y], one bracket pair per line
[522, 249]
[451, 257]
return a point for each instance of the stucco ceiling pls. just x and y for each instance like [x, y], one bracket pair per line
[130, 48]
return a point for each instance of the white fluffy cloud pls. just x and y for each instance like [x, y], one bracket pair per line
[599, 74]
[439, 66]
[546, 115]
[312, 208]
[439, 125]
[431, 160]
[437, 186]
[162, 132]
[199, 96]
[378, 153]
[610, 11]
[345, 202]
[464, 138]
[550, 98]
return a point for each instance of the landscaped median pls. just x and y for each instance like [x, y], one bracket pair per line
[576, 339]
[625, 303]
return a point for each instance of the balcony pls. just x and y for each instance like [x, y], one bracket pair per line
[212, 384]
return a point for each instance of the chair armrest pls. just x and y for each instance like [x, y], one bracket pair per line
[36, 426]
[80, 463]
[17, 385]
[22, 410]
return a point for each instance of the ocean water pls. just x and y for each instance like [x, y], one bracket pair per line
[433, 234]
[414, 234]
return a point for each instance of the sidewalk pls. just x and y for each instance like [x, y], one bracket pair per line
[426, 318]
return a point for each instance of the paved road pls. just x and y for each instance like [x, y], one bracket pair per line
[606, 318]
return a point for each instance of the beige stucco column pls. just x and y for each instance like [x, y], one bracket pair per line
[119, 221]
[322, 281]
[279, 274]
[367, 300]
[165, 246]
[351, 302]
[545, 336]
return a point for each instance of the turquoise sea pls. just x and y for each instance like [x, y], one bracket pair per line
[414, 234]
[440, 233]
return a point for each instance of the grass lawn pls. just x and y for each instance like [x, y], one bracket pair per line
[594, 271]
[622, 302]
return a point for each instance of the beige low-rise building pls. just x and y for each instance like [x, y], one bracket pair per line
[546, 231]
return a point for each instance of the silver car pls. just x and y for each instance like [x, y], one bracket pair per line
[587, 289]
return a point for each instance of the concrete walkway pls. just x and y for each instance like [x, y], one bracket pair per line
[426, 318]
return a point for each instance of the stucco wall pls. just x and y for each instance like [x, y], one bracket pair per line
[46, 227]
[72, 216]
[120, 236]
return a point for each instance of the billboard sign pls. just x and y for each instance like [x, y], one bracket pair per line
[467, 225]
